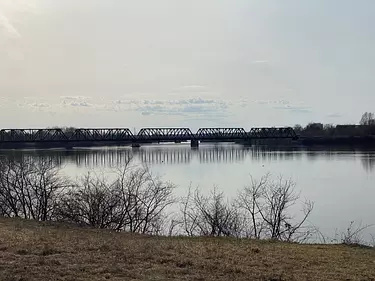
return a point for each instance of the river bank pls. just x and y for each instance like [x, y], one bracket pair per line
[368, 141]
[31, 250]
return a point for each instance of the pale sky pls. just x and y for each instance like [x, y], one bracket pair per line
[242, 63]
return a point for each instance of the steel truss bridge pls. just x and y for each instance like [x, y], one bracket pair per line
[14, 138]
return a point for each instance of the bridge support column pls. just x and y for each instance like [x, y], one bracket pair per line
[248, 142]
[194, 143]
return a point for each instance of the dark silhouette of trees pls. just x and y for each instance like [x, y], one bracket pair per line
[367, 119]
[30, 188]
[365, 128]
[260, 211]
[134, 201]
[210, 215]
[267, 203]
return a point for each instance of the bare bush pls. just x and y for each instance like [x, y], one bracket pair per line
[261, 210]
[90, 201]
[210, 215]
[144, 200]
[353, 235]
[30, 188]
[267, 203]
[135, 201]
[248, 200]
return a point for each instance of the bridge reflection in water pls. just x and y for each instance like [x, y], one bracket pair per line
[180, 154]
[183, 154]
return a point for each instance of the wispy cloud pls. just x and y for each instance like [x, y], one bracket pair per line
[40, 105]
[8, 26]
[282, 104]
[194, 87]
[75, 97]
[75, 101]
[187, 107]
[260, 62]
[273, 102]
[334, 115]
[294, 108]
[191, 106]
[193, 101]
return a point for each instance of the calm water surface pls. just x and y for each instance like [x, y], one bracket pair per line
[339, 181]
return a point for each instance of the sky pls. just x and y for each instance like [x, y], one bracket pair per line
[175, 63]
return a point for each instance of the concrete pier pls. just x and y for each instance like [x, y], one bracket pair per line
[194, 143]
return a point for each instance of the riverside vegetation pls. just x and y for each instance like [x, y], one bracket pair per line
[136, 201]
[95, 228]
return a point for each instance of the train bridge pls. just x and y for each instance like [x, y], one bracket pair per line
[19, 138]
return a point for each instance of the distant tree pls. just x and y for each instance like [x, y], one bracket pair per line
[368, 118]
[69, 131]
[329, 129]
[298, 128]
[314, 127]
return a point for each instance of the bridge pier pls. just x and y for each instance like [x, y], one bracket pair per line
[248, 142]
[194, 143]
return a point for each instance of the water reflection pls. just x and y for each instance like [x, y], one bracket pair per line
[176, 155]
[368, 161]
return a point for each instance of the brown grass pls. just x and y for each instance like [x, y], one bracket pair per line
[36, 251]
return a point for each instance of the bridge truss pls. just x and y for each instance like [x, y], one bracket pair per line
[165, 134]
[145, 135]
[272, 133]
[115, 134]
[221, 133]
[32, 135]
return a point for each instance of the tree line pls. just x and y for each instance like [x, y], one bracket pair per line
[366, 127]
[132, 199]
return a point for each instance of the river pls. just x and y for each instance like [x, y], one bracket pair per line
[339, 181]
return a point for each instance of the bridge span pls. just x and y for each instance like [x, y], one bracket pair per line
[85, 137]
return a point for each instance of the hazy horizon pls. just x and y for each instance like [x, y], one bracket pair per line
[192, 63]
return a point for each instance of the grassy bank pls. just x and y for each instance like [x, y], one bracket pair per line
[35, 251]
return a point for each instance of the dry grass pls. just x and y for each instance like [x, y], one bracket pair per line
[35, 251]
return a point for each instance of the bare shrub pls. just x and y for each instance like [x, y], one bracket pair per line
[353, 235]
[144, 198]
[267, 202]
[135, 201]
[248, 200]
[210, 215]
[91, 201]
[29, 188]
